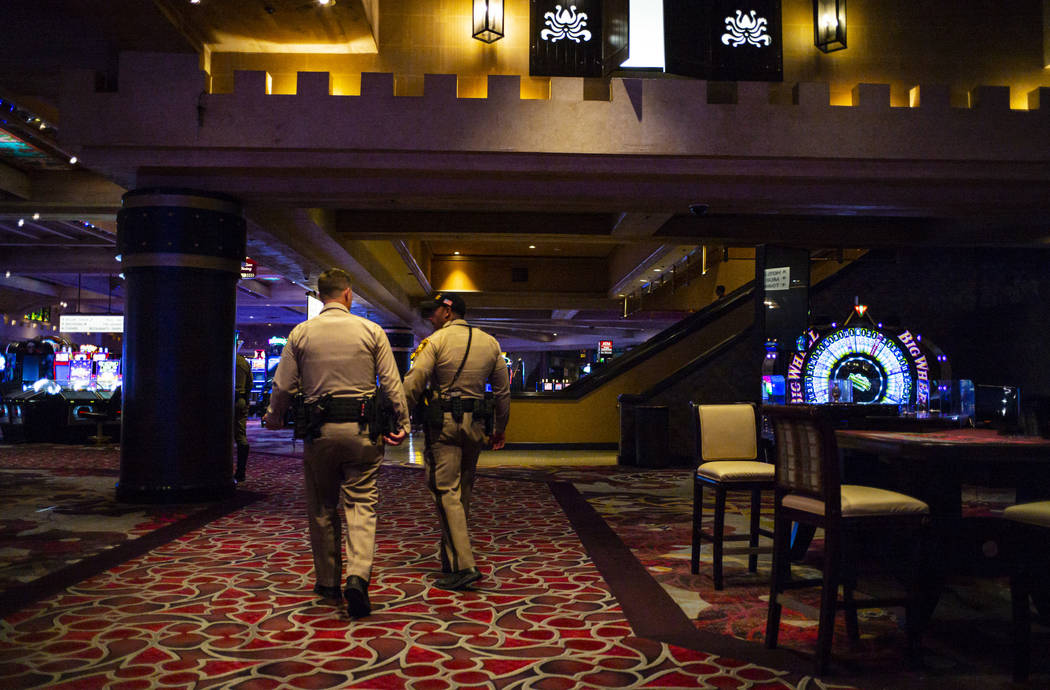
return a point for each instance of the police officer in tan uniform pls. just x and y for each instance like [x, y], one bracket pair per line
[340, 355]
[242, 384]
[457, 361]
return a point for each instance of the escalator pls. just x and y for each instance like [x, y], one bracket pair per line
[713, 355]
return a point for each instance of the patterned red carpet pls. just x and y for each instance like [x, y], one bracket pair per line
[587, 585]
[966, 645]
[229, 605]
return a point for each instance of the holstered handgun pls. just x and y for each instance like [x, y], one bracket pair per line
[378, 415]
[485, 409]
[455, 400]
[309, 417]
[299, 421]
[433, 416]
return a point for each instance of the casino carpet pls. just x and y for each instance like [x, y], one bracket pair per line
[966, 645]
[59, 520]
[229, 605]
[587, 586]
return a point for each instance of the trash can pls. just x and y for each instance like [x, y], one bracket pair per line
[626, 452]
[650, 436]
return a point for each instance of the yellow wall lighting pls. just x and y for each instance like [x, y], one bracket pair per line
[829, 24]
[488, 20]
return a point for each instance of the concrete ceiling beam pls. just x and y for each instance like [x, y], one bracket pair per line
[58, 259]
[14, 182]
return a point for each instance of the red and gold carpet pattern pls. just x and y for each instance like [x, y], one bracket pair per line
[230, 605]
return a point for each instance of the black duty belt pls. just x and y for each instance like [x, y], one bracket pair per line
[467, 405]
[344, 410]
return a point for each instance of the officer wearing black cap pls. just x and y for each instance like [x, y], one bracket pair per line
[456, 362]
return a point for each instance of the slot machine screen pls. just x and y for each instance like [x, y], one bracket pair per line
[997, 406]
[773, 390]
[80, 373]
[108, 376]
[62, 367]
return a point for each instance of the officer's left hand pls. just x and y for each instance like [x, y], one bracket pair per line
[395, 439]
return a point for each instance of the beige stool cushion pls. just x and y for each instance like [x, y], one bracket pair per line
[736, 470]
[859, 501]
[727, 432]
[1037, 513]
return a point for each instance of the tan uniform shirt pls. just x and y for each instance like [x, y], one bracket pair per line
[242, 376]
[437, 358]
[339, 353]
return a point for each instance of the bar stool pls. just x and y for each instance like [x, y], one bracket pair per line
[1030, 530]
[809, 491]
[728, 445]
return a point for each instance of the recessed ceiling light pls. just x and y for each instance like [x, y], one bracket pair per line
[456, 253]
[532, 246]
[657, 270]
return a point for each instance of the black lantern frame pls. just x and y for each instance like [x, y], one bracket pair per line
[488, 20]
[829, 25]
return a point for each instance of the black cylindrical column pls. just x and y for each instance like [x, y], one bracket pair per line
[181, 252]
[402, 341]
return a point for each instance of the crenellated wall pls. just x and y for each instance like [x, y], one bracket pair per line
[654, 117]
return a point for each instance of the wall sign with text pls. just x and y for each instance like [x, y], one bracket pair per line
[91, 323]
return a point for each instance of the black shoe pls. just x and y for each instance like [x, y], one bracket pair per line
[459, 579]
[242, 462]
[356, 594]
[330, 593]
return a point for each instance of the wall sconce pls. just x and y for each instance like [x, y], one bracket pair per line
[488, 20]
[829, 24]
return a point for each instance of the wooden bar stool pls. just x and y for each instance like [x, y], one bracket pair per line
[728, 445]
[1031, 559]
[809, 492]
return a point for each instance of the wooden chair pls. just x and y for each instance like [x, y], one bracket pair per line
[809, 492]
[727, 441]
[1030, 556]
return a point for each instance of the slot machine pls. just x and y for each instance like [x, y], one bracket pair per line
[258, 364]
[107, 374]
[96, 359]
[862, 362]
[80, 370]
[61, 369]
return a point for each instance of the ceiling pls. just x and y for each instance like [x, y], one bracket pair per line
[583, 253]
[77, 235]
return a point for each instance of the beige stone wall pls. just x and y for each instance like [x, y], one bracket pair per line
[897, 42]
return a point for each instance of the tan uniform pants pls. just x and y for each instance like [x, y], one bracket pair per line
[240, 421]
[341, 467]
[450, 465]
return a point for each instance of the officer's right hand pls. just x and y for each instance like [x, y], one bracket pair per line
[271, 422]
[498, 440]
[395, 439]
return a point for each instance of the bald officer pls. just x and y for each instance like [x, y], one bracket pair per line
[342, 355]
[457, 361]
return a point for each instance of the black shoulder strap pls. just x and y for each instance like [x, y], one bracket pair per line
[470, 335]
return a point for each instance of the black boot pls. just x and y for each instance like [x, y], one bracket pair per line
[242, 461]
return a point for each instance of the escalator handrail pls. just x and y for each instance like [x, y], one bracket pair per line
[656, 344]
